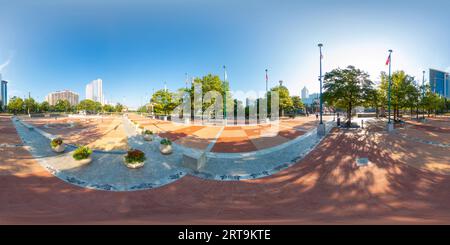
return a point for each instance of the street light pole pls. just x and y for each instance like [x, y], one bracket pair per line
[321, 126]
[423, 93]
[224, 95]
[267, 81]
[320, 78]
[267, 96]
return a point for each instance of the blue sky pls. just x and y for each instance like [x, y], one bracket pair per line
[136, 46]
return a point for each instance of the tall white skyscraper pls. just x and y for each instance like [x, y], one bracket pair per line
[89, 92]
[305, 93]
[94, 91]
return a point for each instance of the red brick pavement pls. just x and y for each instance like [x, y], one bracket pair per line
[325, 187]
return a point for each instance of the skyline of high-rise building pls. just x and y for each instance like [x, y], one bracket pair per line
[311, 99]
[305, 93]
[72, 97]
[440, 82]
[94, 91]
[4, 93]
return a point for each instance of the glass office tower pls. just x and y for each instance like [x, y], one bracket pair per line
[439, 82]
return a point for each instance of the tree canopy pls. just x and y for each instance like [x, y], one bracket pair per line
[90, 106]
[62, 106]
[285, 101]
[297, 103]
[163, 102]
[16, 105]
[347, 88]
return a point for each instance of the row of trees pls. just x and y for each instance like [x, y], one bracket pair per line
[163, 101]
[351, 87]
[18, 105]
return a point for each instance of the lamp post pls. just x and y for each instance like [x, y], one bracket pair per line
[267, 94]
[267, 81]
[423, 93]
[390, 126]
[224, 95]
[321, 126]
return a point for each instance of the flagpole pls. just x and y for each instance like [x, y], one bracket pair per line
[390, 126]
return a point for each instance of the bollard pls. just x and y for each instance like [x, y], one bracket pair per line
[362, 123]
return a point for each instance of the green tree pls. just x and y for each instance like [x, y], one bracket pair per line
[119, 107]
[15, 105]
[212, 83]
[30, 105]
[90, 106]
[285, 101]
[297, 103]
[373, 99]
[44, 106]
[401, 82]
[62, 106]
[346, 88]
[431, 101]
[163, 102]
[412, 97]
[108, 108]
[142, 109]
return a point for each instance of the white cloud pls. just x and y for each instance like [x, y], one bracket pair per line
[7, 62]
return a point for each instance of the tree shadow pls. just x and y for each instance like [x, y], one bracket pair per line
[324, 187]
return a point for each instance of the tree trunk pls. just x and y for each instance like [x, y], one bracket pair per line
[349, 115]
[394, 113]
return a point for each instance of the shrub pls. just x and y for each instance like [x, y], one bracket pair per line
[135, 156]
[82, 152]
[148, 132]
[166, 142]
[56, 142]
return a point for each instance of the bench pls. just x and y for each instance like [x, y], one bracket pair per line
[194, 161]
[34, 115]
